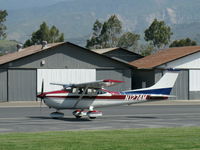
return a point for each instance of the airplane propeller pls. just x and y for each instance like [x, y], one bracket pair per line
[41, 95]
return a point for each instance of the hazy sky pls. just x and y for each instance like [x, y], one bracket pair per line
[20, 4]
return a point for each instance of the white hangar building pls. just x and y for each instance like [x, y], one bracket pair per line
[187, 59]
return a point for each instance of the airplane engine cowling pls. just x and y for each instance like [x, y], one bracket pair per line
[94, 113]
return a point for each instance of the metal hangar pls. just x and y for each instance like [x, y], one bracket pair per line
[22, 72]
[186, 59]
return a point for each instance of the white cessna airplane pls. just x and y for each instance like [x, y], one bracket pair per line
[84, 97]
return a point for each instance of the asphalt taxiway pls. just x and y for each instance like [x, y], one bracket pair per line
[34, 119]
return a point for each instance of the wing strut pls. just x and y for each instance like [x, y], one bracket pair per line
[80, 98]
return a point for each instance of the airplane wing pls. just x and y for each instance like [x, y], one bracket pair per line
[95, 84]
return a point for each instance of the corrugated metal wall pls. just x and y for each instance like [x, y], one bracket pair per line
[194, 76]
[22, 85]
[181, 87]
[194, 87]
[3, 85]
[118, 74]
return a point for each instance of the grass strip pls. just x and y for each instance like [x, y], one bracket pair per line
[127, 139]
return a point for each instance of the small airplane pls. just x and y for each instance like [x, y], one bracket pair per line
[84, 97]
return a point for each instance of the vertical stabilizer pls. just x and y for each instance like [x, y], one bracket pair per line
[163, 86]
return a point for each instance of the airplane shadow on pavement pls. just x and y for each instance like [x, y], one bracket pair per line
[142, 117]
[62, 119]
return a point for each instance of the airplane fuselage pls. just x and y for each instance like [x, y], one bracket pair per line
[62, 100]
[84, 97]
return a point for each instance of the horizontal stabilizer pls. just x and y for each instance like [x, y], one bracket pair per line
[159, 95]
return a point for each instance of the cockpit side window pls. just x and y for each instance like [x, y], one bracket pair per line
[100, 92]
[87, 92]
[69, 90]
[92, 91]
[75, 91]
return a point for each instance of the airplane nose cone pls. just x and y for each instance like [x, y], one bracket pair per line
[42, 95]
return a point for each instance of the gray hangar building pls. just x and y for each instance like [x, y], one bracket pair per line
[185, 59]
[22, 72]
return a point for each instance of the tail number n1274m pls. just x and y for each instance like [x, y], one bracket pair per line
[135, 97]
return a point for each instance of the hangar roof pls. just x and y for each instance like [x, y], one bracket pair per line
[38, 48]
[119, 53]
[164, 56]
[106, 50]
[25, 52]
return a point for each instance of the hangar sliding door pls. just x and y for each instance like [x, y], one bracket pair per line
[180, 89]
[3, 85]
[65, 76]
[22, 85]
[194, 84]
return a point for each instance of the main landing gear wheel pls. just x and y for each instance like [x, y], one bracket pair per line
[92, 117]
[57, 115]
[78, 117]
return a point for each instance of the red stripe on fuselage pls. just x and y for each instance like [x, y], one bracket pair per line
[113, 97]
[119, 97]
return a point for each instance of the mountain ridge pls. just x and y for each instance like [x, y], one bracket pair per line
[76, 17]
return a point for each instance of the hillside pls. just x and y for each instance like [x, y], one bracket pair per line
[24, 4]
[76, 17]
[7, 46]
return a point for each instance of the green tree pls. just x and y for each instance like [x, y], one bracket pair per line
[105, 35]
[44, 33]
[183, 42]
[129, 41]
[146, 49]
[158, 33]
[55, 36]
[3, 14]
[94, 41]
[111, 30]
[41, 35]
[28, 43]
[61, 38]
[97, 28]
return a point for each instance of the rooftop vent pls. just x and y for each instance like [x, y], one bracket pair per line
[19, 47]
[44, 44]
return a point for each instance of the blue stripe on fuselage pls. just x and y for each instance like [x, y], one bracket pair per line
[165, 91]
